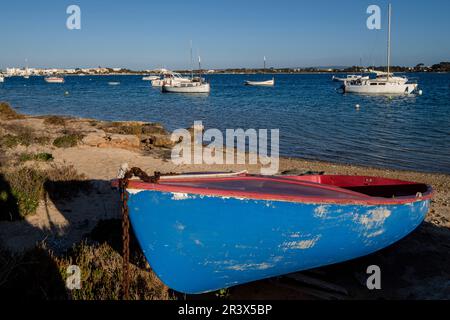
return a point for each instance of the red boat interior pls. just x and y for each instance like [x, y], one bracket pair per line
[371, 186]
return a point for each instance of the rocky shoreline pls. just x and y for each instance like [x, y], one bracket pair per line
[63, 154]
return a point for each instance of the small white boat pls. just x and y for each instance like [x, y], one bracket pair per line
[114, 83]
[385, 83]
[350, 77]
[150, 78]
[186, 87]
[54, 79]
[2, 78]
[266, 83]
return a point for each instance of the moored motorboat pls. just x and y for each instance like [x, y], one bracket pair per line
[54, 79]
[203, 233]
[171, 77]
[186, 87]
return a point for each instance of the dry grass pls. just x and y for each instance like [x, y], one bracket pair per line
[39, 274]
[101, 268]
[133, 128]
[8, 113]
[55, 121]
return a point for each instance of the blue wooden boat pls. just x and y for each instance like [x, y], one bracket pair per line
[203, 233]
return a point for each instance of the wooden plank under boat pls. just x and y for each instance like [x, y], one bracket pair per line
[200, 234]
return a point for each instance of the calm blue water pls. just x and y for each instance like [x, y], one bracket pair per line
[315, 121]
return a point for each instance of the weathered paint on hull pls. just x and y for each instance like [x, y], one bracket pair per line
[197, 244]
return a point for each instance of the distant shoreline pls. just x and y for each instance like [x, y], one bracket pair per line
[229, 73]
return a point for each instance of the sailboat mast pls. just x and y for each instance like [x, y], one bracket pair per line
[389, 42]
[192, 67]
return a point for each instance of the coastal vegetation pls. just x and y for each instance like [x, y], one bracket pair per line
[68, 140]
[55, 120]
[42, 156]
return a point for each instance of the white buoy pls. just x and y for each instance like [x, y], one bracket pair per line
[420, 92]
[357, 106]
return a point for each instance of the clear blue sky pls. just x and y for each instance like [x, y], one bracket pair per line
[227, 33]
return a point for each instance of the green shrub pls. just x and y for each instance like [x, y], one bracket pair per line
[22, 189]
[43, 156]
[67, 141]
[26, 186]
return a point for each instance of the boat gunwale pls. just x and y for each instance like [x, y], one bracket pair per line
[217, 192]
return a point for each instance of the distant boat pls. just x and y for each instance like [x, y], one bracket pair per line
[261, 83]
[113, 83]
[2, 79]
[27, 71]
[201, 234]
[385, 83]
[150, 78]
[265, 83]
[54, 79]
[350, 77]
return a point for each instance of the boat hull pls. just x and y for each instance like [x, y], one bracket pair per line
[197, 243]
[267, 83]
[180, 88]
[388, 88]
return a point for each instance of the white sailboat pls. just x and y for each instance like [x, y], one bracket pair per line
[385, 83]
[266, 83]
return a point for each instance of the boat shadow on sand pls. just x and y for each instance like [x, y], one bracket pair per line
[414, 268]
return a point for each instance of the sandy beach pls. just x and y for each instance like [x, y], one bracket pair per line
[414, 268]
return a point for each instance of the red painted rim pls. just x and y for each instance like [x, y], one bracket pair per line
[363, 199]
